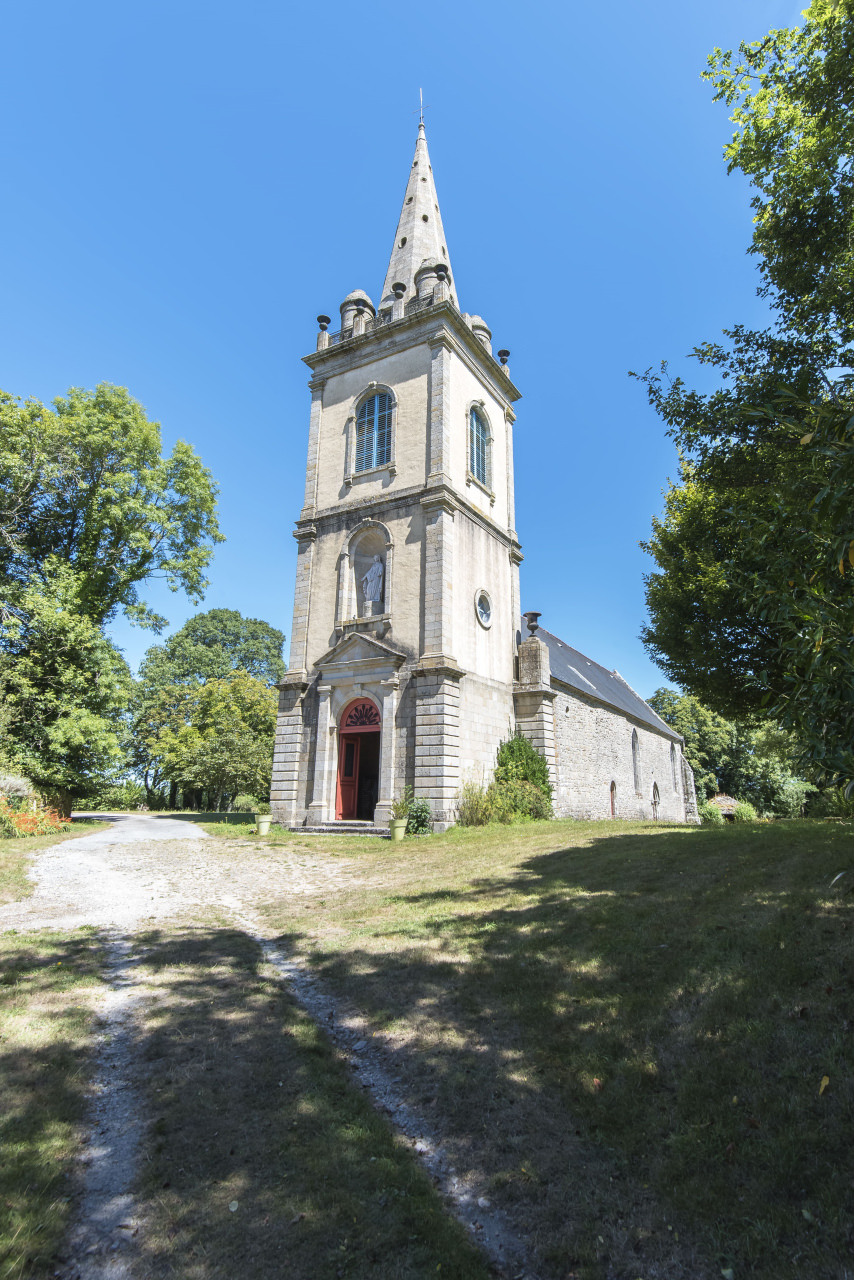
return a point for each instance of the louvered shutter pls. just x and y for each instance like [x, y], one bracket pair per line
[365, 436]
[383, 430]
[477, 446]
[373, 433]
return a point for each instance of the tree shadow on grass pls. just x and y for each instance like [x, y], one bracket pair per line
[264, 1159]
[43, 1050]
[607, 1023]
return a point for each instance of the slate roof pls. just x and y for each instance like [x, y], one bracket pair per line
[587, 677]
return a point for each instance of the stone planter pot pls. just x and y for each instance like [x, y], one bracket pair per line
[262, 823]
[397, 827]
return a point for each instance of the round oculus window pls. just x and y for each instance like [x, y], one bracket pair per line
[483, 607]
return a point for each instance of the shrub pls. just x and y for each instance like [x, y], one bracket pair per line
[832, 803]
[474, 806]
[419, 819]
[744, 812]
[245, 804]
[115, 796]
[710, 814]
[519, 759]
[514, 800]
[517, 800]
[36, 821]
[16, 790]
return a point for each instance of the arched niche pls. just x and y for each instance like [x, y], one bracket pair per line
[365, 573]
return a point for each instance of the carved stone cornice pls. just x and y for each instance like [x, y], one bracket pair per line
[440, 497]
[410, 331]
[441, 339]
[534, 691]
[297, 684]
[431, 664]
[305, 532]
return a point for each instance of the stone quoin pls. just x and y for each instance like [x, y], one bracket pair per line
[410, 660]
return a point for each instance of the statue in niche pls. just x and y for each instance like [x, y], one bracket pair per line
[372, 585]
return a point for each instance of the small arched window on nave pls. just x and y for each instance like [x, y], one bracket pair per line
[656, 801]
[373, 432]
[673, 768]
[478, 447]
[636, 765]
[613, 799]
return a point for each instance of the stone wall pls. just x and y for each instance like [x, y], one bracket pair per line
[486, 719]
[593, 746]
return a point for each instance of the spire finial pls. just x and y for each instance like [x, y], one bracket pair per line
[422, 107]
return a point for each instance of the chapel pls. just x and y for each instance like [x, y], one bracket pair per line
[410, 659]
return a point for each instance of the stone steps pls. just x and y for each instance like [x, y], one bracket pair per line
[343, 828]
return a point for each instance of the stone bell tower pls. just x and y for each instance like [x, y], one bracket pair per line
[404, 631]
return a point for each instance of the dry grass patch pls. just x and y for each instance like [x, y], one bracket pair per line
[264, 1158]
[226, 829]
[47, 984]
[626, 1028]
[16, 855]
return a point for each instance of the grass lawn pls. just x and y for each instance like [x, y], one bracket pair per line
[47, 983]
[640, 1034]
[265, 1160]
[15, 857]
[231, 827]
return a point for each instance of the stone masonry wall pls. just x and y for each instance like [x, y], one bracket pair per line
[437, 750]
[594, 747]
[486, 719]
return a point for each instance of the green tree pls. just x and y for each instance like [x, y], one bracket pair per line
[700, 634]
[89, 510]
[709, 737]
[752, 759]
[791, 96]
[216, 737]
[86, 483]
[756, 546]
[66, 689]
[209, 646]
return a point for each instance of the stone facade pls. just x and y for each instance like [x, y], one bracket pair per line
[396, 488]
[594, 752]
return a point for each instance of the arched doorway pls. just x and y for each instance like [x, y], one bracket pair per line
[358, 761]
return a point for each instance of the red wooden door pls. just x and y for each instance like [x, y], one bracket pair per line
[348, 775]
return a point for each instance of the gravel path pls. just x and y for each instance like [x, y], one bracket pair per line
[145, 868]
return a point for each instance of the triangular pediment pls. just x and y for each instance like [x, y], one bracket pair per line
[360, 648]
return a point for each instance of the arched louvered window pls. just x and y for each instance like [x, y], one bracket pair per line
[636, 766]
[478, 447]
[373, 432]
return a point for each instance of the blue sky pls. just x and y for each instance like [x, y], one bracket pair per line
[188, 184]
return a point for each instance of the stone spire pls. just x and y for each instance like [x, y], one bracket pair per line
[420, 236]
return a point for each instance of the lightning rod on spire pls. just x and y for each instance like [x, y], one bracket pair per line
[422, 107]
